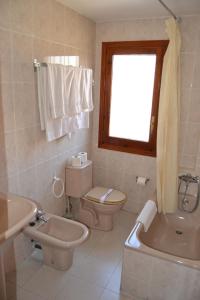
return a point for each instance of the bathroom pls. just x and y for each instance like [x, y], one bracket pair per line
[35, 29]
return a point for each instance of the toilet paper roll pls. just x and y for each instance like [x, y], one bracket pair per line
[141, 180]
[83, 156]
[76, 161]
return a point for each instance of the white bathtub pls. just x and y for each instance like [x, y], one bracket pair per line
[164, 262]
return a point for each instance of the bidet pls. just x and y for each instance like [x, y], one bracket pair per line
[58, 237]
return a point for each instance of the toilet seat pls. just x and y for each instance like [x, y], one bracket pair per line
[105, 196]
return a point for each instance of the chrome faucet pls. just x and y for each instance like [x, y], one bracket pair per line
[40, 216]
[188, 179]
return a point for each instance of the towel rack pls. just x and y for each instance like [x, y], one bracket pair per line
[37, 64]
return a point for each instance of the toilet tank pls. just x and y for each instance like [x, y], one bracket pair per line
[78, 180]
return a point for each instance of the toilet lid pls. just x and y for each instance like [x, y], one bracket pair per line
[105, 196]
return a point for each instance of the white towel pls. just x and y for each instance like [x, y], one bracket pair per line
[83, 120]
[70, 90]
[49, 108]
[55, 128]
[60, 83]
[86, 100]
[147, 214]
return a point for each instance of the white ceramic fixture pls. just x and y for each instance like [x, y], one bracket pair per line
[98, 204]
[58, 237]
[15, 213]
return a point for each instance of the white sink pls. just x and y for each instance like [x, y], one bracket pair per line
[15, 213]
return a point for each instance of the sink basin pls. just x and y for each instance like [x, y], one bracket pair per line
[15, 213]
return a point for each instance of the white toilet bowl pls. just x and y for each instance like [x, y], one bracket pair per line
[97, 210]
[58, 238]
[97, 205]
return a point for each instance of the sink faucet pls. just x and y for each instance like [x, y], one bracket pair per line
[40, 216]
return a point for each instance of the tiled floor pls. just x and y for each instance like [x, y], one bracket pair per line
[94, 275]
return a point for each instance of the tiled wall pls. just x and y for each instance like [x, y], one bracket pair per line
[119, 170]
[35, 29]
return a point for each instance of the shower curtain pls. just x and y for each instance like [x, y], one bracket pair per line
[168, 123]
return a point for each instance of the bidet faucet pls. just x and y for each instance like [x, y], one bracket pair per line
[40, 216]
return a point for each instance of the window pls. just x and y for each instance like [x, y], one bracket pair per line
[129, 96]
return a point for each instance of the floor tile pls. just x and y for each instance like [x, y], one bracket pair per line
[115, 280]
[15, 292]
[108, 295]
[93, 270]
[24, 272]
[47, 282]
[77, 289]
[92, 243]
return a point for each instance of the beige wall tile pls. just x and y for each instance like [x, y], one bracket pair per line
[44, 177]
[13, 184]
[185, 103]
[3, 166]
[41, 48]
[187, 162]
[187, 69]
[11, 155]
[43, 19]
[22, 58]
[22, 15]
[27, 184]
[5, 13]
[5, 56]
[57, 49]
[44, 149]
[194, 110]
[190, 30]
[58, 22]
[26, 148]
[192, 139]
[196, 75]
[6, 108]
[25, 105]
[3, 183]
[71, 28]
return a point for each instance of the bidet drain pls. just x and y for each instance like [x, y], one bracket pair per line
[179, 232]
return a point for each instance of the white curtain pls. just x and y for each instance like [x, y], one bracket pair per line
[168, 123]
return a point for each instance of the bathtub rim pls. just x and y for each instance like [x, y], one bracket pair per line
[133, 242]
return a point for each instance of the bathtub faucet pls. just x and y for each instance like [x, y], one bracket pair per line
[188, 179]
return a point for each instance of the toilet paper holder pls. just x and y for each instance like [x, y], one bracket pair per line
[142, 180]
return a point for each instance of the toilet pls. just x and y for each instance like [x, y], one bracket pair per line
[98, 204]
[58, 238]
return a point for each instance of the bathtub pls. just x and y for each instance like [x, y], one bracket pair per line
[164, 262]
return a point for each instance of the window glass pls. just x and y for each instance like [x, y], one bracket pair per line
[131, 96]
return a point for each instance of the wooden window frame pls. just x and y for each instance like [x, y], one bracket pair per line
[109, 49]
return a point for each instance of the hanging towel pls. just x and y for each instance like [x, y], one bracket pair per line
[83, 120]
[70, 90]
[61, 86]
[56, 128]
[86, 101]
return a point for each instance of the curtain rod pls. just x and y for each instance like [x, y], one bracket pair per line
[178, 19]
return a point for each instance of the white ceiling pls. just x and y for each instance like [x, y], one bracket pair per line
[114, 10]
